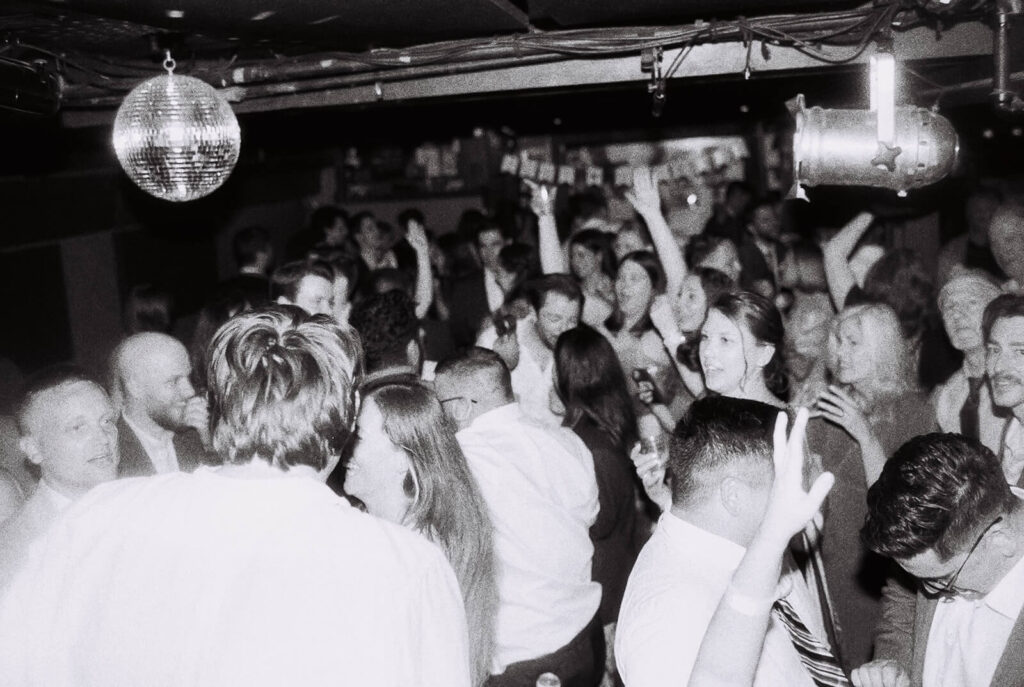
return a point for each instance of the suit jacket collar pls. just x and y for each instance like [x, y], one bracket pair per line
[1011, 664]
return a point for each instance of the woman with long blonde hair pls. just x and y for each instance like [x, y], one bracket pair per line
[871, 407]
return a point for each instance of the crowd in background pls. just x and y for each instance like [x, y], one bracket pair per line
[554, 443]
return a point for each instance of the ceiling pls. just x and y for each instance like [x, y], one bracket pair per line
[82, 56]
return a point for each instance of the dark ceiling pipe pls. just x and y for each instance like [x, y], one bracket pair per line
[1004, 99]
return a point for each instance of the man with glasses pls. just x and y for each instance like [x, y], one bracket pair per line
[541, 493]
[943, 510]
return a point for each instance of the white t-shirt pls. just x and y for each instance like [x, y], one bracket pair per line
[207, 580]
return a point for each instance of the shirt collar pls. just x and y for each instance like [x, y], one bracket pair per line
[500, 416]
[52, 495]
[165, 437]
[715, 550]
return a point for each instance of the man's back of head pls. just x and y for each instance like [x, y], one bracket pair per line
[282, 388]
[471, 383]
[720, 465]
[387, 324]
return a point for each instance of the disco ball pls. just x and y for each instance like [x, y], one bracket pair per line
[176, 137]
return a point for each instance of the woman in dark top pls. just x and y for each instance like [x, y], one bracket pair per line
[590, 391]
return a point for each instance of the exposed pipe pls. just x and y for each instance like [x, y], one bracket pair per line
[1004, 99]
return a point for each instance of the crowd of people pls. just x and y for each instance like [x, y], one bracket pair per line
[544, 447]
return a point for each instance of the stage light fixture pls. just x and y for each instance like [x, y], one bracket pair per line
[898, 148]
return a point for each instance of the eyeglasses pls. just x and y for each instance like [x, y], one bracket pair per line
[946, 590]
[457, 398]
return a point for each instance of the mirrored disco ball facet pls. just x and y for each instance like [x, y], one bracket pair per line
[176, 137]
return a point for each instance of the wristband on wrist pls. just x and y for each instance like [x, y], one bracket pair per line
[674, 340]
[744, 604]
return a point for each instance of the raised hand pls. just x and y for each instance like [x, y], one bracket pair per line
[417, 238]
[790, 507]
[542, 198]
[644, 196]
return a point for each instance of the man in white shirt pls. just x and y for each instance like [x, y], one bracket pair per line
[541, 492]
[943, 510]
[68, 429]
[1003, 329]
[963, 403]
[253, 573]
[722, 476]
[164, 423]
[557, 303]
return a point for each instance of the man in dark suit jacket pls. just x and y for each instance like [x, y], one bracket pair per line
[471, 299]
[163, 422]
[942, 509]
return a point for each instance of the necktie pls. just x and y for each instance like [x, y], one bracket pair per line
[815, 655]
[969, 410]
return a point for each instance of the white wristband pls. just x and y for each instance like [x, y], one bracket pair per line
[673, 340]
[744, 604]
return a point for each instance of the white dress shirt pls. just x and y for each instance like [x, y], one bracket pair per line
[160, 449]
[1013, 451]
[18, 533]
[532, 381]
[209, 580]
[968, 636]
[673, 592]
[541, 492]
[949, 398]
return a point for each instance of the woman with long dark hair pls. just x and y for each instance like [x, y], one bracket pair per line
[590, 391]
[407, 467]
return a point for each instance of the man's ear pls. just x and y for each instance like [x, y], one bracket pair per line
[30, 447]
[1003, 541]
[733, 494]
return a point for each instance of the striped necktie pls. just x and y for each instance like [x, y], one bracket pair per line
[815, 655]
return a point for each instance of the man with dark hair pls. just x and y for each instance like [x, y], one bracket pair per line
[472, 298]
[308, 284]
[389, 330]
[164, 423]
[528, 350]
[729, 216]
[254, 255]
[942, 509]
[68, 429]
[252, 573]
[727, 481]
[541, 493]
[1002, 327]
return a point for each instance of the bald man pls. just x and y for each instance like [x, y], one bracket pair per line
[163, 421]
